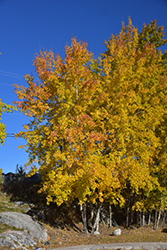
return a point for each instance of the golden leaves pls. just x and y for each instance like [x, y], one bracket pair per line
[97, 125]
[4, 108]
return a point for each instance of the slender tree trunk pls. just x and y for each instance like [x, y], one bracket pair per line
[143, 218]
[110, 216]
[98, 219]
[159, 216]
[127, 217]
[132, 218]
[149, 218]
[163, 219]
[140, 219]
[96, 223]
[83, 214]
[91, 214]
[155, 222]
[137, 218]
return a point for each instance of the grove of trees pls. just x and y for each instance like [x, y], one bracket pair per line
[98, 126]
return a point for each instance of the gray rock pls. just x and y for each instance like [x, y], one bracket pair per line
[24, 221]
[17, 239]
[117, 232]
[23, 205]
[18, 203]
[6, 242]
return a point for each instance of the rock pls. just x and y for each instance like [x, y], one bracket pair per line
[17, 239]
[96, 233]
[18, 203]
[23, 205]
[117, 232]
[6, 242]
[24, 221]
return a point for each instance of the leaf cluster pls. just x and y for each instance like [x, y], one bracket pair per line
[4, 108]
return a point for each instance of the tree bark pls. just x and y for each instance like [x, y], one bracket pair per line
[149, 218]
[163, 219]
[140, 219]
[159, 216]
[96, 223]
[131, 218]
[155, 221]
[127, 217]
[110, 216]
[83, 214]
[91, 214]
[143, 218]
[137, 219]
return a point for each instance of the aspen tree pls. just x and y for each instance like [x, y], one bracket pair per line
[134, 86]
[64, 135]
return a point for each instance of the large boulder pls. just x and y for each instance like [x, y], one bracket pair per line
[24, 221]
[17, 239]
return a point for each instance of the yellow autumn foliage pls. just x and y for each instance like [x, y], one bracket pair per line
[98, 126]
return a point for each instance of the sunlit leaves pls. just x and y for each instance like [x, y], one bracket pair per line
[134, 85]
[65, 134]
[4, 108]
[98, 126]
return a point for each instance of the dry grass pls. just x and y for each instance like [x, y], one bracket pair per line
[70, 237]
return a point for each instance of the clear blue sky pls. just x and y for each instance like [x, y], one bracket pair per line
[29, 26]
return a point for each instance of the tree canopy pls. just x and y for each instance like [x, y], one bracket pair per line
[98, 127]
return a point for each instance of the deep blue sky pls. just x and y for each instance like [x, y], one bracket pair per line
[29, 26]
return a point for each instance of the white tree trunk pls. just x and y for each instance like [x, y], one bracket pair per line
[159, 216]
[91, 214]
[155, 222]
[83, 214]
[143, 218]
[127, 217]
[164, 218]
[149, 218]
[110, 216]
[96, 223]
